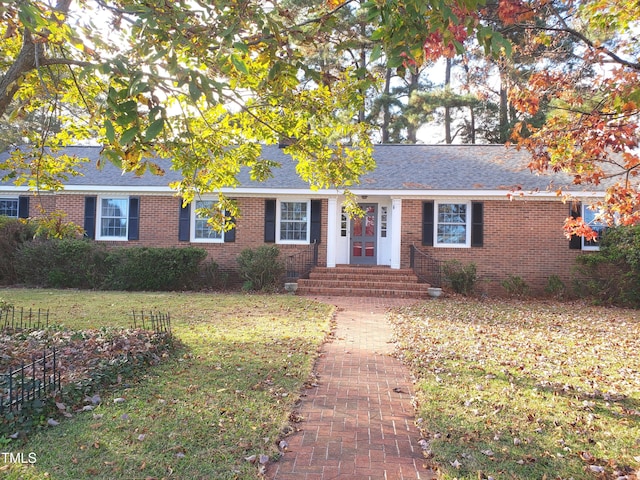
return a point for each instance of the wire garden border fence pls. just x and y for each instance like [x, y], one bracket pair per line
[42, 377]
[156, 321]
[29, 382]
[20, 319]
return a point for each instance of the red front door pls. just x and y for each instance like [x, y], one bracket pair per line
[364, 234]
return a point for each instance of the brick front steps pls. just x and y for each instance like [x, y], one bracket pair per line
[363, 281]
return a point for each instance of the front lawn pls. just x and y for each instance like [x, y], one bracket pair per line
[224, 397]
[525, 390]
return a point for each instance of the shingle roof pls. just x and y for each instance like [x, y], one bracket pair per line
[408, 168]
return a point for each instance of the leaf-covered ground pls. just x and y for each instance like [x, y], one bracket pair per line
[79, 353]
[214, 410]
[524, 390]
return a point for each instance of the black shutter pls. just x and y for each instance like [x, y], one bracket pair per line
[269, 221]
[134, 218]
[230, 235]
[23, 207]
[427, 223]
[575, 242]
[184, 222]
[316, 221]
[90, 204]
[477, 227]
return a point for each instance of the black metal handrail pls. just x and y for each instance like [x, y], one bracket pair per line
[426, 268]
[300, 263]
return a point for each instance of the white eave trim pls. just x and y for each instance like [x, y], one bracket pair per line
[277, 192]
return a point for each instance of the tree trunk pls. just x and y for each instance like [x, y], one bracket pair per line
[472, 124]
[504, 104]
[447, 108]
[386, 107]
[414, 84]
[363, 66]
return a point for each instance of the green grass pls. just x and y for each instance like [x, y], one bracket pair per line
[525, 390]
[226, 395]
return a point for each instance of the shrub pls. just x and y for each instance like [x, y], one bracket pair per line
[211, 276]
[461, 278]
[71, 263]
[612, 275]
[54, 225]
[555, 287]
[143, 268]
[65, 263]
[515, 286]
[13, 233]
[261, 268]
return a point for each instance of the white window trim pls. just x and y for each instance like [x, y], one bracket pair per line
[99, 235]
[278, 221]
[583, 245]
[436, 209]
[192, 227]
[13, 199]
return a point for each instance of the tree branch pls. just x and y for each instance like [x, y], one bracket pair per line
[583, 38]
[29, 58]
[318, 19]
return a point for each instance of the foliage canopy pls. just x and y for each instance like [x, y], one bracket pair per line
[207, 83]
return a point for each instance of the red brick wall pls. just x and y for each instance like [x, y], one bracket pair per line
[523, 237]
[159, 226]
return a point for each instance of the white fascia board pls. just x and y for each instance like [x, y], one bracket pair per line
[14, 189]
[278, 192]
[499, 194]
[117, 189]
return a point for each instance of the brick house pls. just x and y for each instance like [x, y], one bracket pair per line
[471, 203]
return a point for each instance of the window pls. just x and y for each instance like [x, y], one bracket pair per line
[114, 218]
[9, 207]
[589, 217]
[384, 219]
[344, 222]
[452, 225]
[293, 222]
[202, 231]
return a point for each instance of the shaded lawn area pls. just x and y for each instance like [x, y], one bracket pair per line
[525, 390]
[226, 395]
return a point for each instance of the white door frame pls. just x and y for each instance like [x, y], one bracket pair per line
[335, 241]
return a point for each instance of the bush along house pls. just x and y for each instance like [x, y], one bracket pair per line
[425, 206]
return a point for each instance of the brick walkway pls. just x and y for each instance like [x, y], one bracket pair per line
[358, 422]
